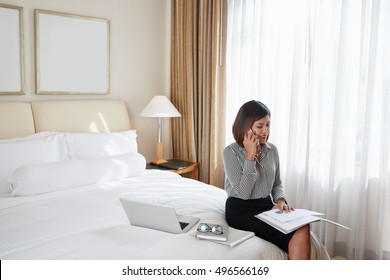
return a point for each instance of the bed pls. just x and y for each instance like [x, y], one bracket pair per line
[63, 167]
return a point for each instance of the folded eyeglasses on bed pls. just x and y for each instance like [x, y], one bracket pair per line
[216, 229]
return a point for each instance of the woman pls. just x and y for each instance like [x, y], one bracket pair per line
[252, 181]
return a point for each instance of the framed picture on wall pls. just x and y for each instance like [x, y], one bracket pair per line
[72, 54]
[11, 50]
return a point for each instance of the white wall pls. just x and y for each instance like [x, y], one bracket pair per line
[139, 57]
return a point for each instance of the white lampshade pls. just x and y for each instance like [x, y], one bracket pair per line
[160, 107]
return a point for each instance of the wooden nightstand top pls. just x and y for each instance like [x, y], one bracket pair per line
[178, 166]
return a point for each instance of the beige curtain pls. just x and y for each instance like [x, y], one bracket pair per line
[198, 84]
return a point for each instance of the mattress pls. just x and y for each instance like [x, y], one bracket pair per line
[88, 222]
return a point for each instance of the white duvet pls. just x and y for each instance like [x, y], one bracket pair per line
[89, 222]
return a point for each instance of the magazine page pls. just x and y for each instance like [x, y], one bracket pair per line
[292, 215]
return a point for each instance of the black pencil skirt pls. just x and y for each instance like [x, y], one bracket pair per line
[240, 214]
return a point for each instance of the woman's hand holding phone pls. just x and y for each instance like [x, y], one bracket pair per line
[251, 144]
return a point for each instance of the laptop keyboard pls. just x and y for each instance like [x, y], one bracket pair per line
[183, 225]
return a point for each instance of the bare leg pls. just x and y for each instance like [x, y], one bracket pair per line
[299, 246]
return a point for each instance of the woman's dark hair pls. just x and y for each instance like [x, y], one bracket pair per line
[249, 112]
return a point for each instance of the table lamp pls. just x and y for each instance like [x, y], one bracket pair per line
[160, 107]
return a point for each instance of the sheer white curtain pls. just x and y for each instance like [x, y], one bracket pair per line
[323, 69]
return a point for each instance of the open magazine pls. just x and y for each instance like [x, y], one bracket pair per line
[287, 222]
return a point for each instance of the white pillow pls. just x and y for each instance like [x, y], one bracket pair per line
[30, 151]
[84, 145]
[55, 176]
[28, 137]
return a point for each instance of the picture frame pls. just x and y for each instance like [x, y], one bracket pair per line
[11, 50]
[72, 53]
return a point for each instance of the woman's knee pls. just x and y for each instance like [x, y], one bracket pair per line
[304, 231]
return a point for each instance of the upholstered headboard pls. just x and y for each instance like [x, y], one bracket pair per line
[24, 118]
[16, 119]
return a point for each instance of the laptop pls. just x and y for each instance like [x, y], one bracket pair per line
[155, 216]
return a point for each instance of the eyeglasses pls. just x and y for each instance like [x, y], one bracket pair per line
[216, 229]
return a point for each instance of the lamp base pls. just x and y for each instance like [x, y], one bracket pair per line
[158, 161]
[159, 154]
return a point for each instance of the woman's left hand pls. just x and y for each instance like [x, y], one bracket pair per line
[283, 206]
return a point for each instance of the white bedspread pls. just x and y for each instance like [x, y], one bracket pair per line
[89, 222]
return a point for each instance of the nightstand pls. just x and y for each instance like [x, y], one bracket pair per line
[178, 166]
